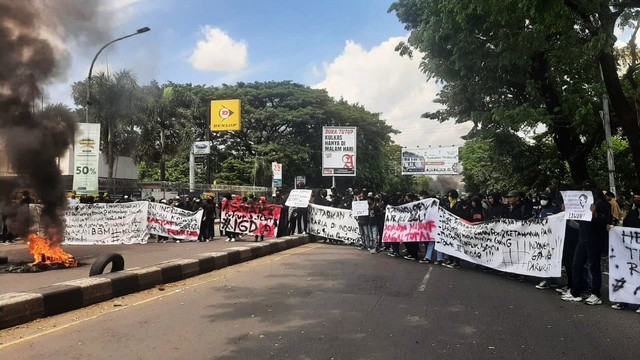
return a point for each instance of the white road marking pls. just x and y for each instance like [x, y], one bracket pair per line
[423, 284]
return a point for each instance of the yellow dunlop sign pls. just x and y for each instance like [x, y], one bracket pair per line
[225, 115]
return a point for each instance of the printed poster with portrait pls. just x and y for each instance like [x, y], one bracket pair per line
[577, 205]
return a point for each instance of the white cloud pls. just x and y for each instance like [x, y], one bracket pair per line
[383, 81]
[219, 52]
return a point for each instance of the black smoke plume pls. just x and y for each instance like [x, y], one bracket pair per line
[33, 140]
[443, 184]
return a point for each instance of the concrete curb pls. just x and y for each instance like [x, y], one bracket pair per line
[23, 307]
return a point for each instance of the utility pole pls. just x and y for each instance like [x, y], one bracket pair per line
[606, 122]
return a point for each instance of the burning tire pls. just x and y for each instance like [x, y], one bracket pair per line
[101, 263]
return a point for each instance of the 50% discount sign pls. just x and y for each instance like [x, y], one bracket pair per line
[85, 170]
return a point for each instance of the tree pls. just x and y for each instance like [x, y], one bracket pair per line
[595, 22]
[166, 128]
[115, 104]
[504, 162]
[282, 122]
[509, 66]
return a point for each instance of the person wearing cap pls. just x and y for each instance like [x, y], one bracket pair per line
[517, 210]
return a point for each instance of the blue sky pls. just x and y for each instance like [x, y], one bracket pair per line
[343, 46]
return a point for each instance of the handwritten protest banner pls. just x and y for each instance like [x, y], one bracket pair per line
[360, 208]
[299, 198]
[577, 205]
[256, 219]
[173, 222]
[332, 223]
[531, 247]
[124, 223]
[410, 222]
[624, 265]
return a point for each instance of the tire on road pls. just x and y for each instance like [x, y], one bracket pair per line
[104, 260]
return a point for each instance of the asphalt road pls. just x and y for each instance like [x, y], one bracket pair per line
[333, 302]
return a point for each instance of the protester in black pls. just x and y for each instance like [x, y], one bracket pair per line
[591, 237]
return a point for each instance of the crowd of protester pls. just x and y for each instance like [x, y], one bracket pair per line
[585, 246]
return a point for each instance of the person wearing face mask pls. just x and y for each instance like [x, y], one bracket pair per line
[547, 208]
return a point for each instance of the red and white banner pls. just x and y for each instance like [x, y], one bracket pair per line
[416, 221]
[245, 218]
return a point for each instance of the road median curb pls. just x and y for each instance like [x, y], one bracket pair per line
[22, 307]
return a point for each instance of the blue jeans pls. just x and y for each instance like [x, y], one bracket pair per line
[373, 237]
[431, 245]
[365, 235]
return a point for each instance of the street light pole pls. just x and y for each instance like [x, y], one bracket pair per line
[139, 31]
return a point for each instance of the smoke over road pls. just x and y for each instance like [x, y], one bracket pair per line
[32, 38]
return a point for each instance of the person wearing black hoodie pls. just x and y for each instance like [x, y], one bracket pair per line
[591, 238]
[495, 209]
[454, 206]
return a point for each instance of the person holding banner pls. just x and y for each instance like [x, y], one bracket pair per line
[547, 208]
[495, 207]
[455, 207]
[363, 225]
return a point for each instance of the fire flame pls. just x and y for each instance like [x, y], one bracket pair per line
[48, 251]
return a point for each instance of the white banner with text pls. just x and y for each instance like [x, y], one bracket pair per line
[332, 223]
[624, 265]
[106, 224]
[526, 247]
[416, 221]
[174, 222]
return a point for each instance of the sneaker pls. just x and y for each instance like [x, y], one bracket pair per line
[233, 239]
[543, 285]
[569, 297]
[227, 239]
[455, 266]
[373, 251]
[425, 261]
[437, 262]
[638, 311]
[593, 300]
[391, 254]
[618, 306]
[177, 241]
[562, 290]
[409, 257]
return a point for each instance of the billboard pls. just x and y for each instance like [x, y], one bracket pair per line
[431, 161]
[225, 115]
[86, 158]
[339, 151]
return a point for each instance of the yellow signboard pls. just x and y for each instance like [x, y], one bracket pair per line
[225, 115]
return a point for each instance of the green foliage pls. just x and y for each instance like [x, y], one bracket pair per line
[509, 66]
[624, 175]
[505, 162]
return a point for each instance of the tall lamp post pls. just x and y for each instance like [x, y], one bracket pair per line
[86, 113]
[139, 31]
